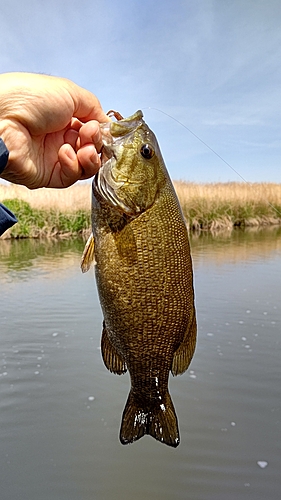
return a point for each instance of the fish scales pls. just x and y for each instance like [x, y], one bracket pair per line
[144, 279]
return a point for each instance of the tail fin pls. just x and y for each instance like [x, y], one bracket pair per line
[161, 422]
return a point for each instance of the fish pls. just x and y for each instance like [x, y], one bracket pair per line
[144, 276]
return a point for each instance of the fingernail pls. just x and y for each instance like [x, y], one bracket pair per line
[95, 160]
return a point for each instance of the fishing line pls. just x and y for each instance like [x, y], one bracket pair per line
[211, 149]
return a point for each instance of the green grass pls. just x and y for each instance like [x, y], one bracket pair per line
[34, 222]
[205, 214]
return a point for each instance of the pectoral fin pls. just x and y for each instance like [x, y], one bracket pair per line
[184, 353]
[113, 362]
[88, 256]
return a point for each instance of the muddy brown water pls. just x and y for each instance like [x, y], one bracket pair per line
[60, 408]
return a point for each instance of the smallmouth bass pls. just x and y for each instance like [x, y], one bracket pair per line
[144, 276]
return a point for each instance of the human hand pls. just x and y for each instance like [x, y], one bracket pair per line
[50, 126]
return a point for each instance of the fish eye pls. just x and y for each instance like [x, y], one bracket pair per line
[147, 151]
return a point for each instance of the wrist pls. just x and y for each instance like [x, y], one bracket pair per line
[6, 134]
[9, 137]
[4, 155]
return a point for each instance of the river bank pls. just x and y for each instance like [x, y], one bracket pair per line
[206, 207]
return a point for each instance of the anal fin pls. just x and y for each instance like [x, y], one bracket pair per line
[184, 354]
[112, 360]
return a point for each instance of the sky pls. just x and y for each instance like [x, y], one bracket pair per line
[212, 65]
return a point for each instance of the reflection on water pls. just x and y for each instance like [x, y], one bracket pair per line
[60, 409]
[20, 257]
[237, 245]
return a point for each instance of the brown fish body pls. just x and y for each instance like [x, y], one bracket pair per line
[144, 278]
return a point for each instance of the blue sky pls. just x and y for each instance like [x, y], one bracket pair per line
[214, 65]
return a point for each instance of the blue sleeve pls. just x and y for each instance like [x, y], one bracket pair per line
[7, 218]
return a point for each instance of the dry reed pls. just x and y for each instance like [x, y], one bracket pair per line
[77, 197]
[224, 205]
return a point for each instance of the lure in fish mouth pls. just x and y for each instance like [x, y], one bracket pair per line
[144, 276]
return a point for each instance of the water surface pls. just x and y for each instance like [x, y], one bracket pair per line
[60, 408]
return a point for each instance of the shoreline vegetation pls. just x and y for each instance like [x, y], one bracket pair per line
[206, 207]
